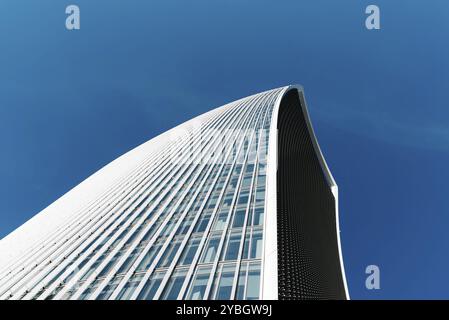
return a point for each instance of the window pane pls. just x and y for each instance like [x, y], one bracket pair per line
[174, 285]
[148, 260]
[258, 216]
[233, 247]
[168, 255]
[246, 182]
[200, 284]
[243, 198]
[189, 252]
[239, 218]
[261, 181]
[201, 226]
[129, 288]
[256, 245]
[151, 286]
[252, 290]
[211, 250]
[221, 221]
[225, 287]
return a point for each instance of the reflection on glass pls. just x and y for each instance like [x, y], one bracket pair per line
[225, 287]
[150, 288]
[129, 288]
[256, 245]
[211, 250]
[239, 218]
[252, 290]
[199, 284]
[258, 216]
[233, 247]
[189, 251]
[174, 285]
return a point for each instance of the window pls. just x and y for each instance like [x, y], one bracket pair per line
[212, 201]
[149, 233]
[246, 182]
[174, 285]
[243, 198]
[211, 250]
[201, 226]
[256, 245]
[91, 269]
[252, 290]
[129, 288]
[233, 182]
[224, 289]
[200, 283]
[260, 195]
[169, 254]
[261, 181]
[185, 225]
[227, 201]
[189, 251]
[221, 221]
[150, 288]
[86, 293]
[233, 247]
[148, 260]
[239, 218]
[258, 216]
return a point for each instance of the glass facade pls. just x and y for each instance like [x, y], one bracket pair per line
[187, 223]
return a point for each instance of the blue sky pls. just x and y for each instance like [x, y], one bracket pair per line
[72, 101]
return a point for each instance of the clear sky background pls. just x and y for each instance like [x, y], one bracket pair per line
[72, 101]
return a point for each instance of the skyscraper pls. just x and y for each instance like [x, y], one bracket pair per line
[237, 203]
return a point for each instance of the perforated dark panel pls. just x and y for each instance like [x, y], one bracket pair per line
[309, 266]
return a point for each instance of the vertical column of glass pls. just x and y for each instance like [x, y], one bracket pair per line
[205, 269]
[247, 279]
[224, 285]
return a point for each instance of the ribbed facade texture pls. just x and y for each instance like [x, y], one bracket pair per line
[237, 203]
